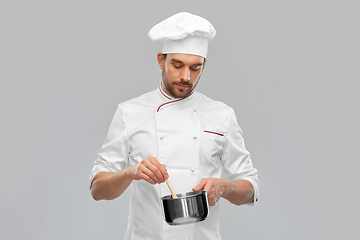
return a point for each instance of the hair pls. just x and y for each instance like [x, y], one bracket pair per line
[165, 54]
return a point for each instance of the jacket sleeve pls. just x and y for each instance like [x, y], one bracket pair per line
[236, 159]
[113, 156]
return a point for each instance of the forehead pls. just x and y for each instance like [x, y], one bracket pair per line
[186, 59]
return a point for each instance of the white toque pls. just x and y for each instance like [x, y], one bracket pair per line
[184, 33]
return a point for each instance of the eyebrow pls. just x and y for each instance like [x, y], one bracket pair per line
[178, 61]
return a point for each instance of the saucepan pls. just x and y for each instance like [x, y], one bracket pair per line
[185, 208]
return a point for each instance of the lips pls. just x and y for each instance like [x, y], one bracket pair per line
[182, 87]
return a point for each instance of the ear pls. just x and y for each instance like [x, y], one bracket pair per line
[160, 58]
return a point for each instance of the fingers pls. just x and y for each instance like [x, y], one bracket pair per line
[151, 171]
[215, 189]
[160, 167]
[207, 184]
[201, 185]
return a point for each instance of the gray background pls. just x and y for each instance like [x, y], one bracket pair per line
[288, 68]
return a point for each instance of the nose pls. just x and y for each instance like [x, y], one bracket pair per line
[185, 74]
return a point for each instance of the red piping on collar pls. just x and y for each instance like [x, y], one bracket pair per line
[175, 100]
[163, 93]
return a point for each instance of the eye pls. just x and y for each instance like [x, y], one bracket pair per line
[196, 68]
[177, 66]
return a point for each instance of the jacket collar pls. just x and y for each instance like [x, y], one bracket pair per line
[168, 99]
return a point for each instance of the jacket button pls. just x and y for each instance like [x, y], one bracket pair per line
[161, 138]
[195, 137]
[192, 170]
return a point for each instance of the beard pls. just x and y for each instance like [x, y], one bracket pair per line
[173, 90]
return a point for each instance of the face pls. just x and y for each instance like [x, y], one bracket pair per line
[180, 73]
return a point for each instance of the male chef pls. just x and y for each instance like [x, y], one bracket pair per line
[178, 133]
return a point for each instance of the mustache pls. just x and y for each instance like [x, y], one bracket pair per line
[182, 82]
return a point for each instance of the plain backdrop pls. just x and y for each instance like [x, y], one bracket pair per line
[290, 70]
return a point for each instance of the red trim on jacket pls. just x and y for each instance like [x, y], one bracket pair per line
[163, 93]
[177, 100]
[214, 133]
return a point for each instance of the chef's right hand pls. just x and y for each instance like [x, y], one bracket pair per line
[149, 169]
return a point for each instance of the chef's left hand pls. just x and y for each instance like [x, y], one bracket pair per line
[215, 187]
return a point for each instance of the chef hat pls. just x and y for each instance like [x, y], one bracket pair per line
[184, 33]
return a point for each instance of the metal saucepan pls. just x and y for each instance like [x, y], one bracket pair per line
[187, 208]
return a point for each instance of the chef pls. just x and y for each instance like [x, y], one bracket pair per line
[178, 133]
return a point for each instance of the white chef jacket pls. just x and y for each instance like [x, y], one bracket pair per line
[195, 137]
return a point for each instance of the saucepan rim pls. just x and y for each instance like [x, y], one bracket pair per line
[184, 195]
